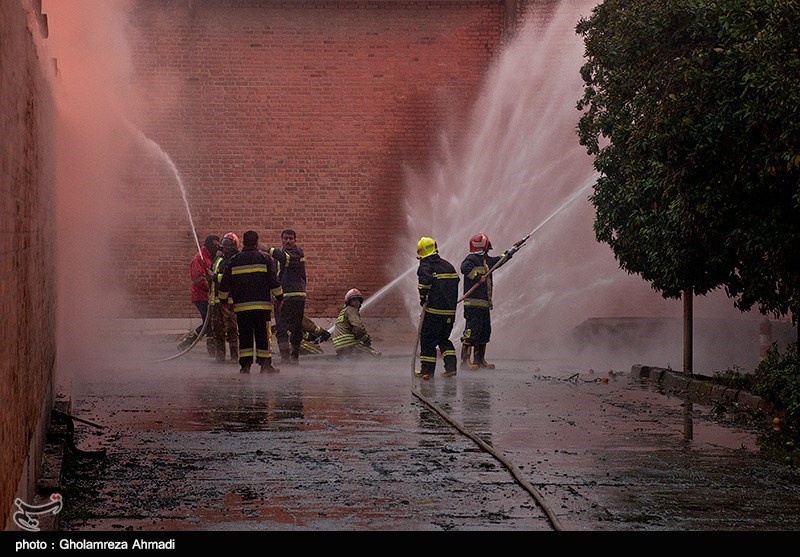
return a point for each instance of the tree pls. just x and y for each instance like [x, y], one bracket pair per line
[767, 169]
[680, 130]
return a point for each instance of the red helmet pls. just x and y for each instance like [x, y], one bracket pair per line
[353, 293]
[234, 237]
[479, 242]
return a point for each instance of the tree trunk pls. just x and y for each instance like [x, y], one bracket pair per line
[688, 319]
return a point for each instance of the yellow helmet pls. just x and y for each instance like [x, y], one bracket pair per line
[426, 247]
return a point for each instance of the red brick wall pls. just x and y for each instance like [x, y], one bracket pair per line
[27, 291]
[298, 114]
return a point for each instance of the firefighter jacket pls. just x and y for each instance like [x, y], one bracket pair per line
[198, 269]
[291, 271]
[349, 329]
[249, 278]
[475, 266]
[437, 285]
[217, 270]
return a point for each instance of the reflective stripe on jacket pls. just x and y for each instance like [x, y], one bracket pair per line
[438, 285]
[291, 267]
[250, 278]
[349, 329]
[475, 266]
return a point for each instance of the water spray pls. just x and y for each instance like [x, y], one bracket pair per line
[502, 260]
[163, 155]
[572, 197]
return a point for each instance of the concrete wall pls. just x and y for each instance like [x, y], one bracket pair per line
[301, 114]
[27, 250]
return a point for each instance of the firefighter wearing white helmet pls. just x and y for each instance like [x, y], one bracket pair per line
[350, 336]
[477, 306]
[437, 285]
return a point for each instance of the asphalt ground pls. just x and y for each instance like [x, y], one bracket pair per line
[362, 446]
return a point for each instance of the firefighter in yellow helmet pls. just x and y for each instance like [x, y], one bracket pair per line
[437, 284]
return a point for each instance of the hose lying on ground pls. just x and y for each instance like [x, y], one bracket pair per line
[509, 466]
[192, 345]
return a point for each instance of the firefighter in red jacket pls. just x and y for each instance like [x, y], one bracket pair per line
[200, 274]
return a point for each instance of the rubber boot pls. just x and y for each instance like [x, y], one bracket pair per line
[480, 357]
[187, 340]
[466, 352]
[245, 368]
[284, 349]
[234, 346]
[266, 366]
[294, 357]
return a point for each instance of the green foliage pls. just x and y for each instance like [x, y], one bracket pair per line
[690, 109]
[777, 379]
[735, 379]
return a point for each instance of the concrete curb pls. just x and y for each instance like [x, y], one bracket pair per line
[702, 389]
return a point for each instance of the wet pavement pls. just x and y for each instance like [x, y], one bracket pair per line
[195, 445]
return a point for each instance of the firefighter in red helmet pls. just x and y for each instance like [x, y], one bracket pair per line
[223, 318]
[477, 306]
[350, 336]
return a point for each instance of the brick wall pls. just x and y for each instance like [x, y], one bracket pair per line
[300, 114]
[27, 291]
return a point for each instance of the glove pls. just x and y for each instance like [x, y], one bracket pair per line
[366, 341]
[422, 301]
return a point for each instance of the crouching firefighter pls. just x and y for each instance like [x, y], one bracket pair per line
[350, 336]
[478, 288]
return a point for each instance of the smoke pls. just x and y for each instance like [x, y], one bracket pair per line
[92, 90]
[519, 168]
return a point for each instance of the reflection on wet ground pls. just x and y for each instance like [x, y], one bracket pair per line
[192, 445]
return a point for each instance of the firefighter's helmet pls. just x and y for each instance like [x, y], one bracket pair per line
[353, 293]
[234, 237]
[479, 242]
[228, 246]
[426, 247]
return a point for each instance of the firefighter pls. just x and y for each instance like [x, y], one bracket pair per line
[223, 318]
[200, 274]
[291, 263]
[250, 279]
[350, 336]
[478, 305]
[438, 295]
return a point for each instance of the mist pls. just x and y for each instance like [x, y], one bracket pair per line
[518, 168]
[88, 59]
